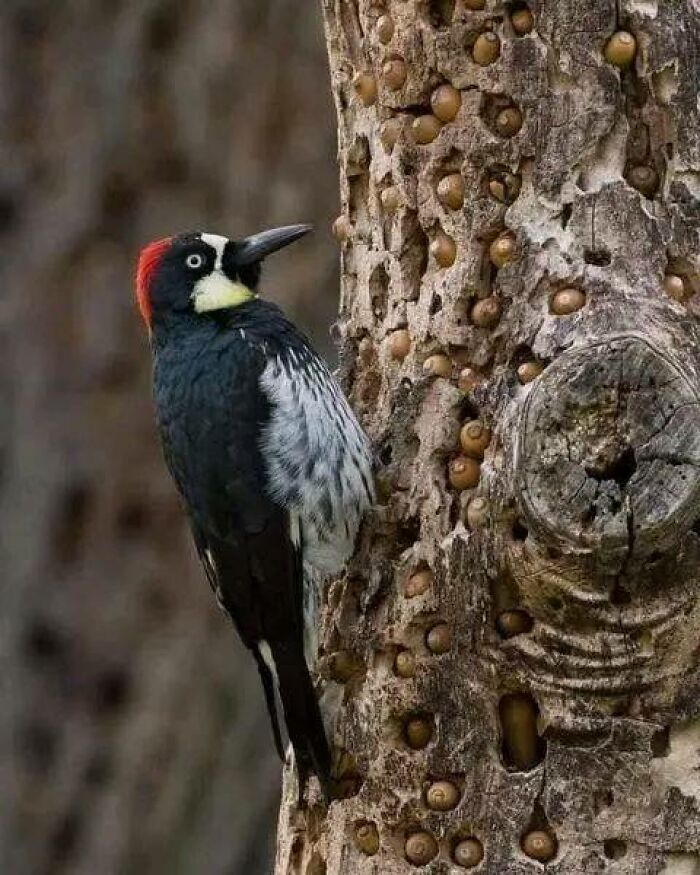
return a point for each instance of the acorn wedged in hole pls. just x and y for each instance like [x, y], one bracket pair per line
[343, 665]
[474, 437]
[390, 199]
[420, 848]
[464, 473]
[645, 179]
[468, 853]
[539, 845]
[443, 249]
[384, 29]
[508, 121]
[342, 229]
[486, 49]
[442, 796]
[477, 511]
[437, 366]
[529, 371]
[487, 312]
[389, 132]
[620, 49]
[468, 379]
[399, 343]
[438, 639]
[503, 249]
[418, 732]
[418, 583]
[405, 664]
[675, 287]
[394, 73]
[522, 21]
[505, 187]
[425, 129]
[366, 838]
[365, 87]
[512, 623]
[445, 102]
[567, 301]
[450, 191]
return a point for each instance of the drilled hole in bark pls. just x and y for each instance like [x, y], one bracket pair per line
[620, 470]
[602, 799]
[385, 453]
[440, 12]
[566, 212]
[614, 849]
[379, 291]
[599, 257]
[522, 747]
[519, 530]
[555, 603]
[407, 533]
[435, 305]
[619, 595]
[414, 256]
[661, 743]
[72, 516]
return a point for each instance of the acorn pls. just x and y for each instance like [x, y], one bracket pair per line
[474, 5]
[464, 472]
[675, 287]
[342, 229]
[468, 853]
[442, 796]
[508, 121]
[486, 48]
[518, 713]
[395, 73]
[486, 313]
[512, 623]
[505, 188]
[418, 733]
[418, 583]
[366, 838]
[425, 128]
[343, 665]
[468, 378]
[539, 845]
[567, 301]
[389, 132]
[365, 86]
[443, 249]
[399, 343]
[450, 191]
[405, 664]
[365, 349]
[477, 511]
[420, 848]
[445, 102]
[529, 371]
[522, 21]
[438, 365]
[474, 437]
[503, 249]
[384, 29]
[390, 199]
[645, 179]
[438, 639]
[620, 49]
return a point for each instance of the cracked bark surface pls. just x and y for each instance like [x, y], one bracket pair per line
[532, 639]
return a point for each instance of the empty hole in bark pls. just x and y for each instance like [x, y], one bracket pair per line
[614, 849]
[112, 690]
[435, 305]
[407, 533]
[72, 515]
[661, 743]
[467, 410]
[600, 257]
[602, 799]
[38, 744]
[440, 12]
[44, 642]
[132, 518]
[555, 603]
[414, 256]
[519, 530]
[522, 748]
[357, 198]
[65, 837]
[347, 778]
[619, 595]
[566, 212]
[385, 453]
[620, 470]
[379, 291]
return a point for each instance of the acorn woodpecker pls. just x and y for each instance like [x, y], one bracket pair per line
[273, 467]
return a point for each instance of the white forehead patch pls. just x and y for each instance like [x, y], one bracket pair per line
[217, 242]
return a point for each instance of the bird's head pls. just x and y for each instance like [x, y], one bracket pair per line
[201, 273]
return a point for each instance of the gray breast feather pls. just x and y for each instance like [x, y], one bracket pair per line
[318, 458]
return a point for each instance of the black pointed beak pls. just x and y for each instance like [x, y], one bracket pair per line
[255, 248]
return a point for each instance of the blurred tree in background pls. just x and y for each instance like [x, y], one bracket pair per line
[132, 737]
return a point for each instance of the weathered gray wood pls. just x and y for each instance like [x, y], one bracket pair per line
[567, 699]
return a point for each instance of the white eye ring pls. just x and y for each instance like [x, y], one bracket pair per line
[194, 261]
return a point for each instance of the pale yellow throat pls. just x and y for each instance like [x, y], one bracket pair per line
[217, 292]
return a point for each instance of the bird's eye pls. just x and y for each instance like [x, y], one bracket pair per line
[194, 261]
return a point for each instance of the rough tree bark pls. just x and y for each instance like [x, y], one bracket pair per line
[133, 738]
[516, 645]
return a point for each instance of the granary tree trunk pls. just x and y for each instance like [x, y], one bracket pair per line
[515, 648]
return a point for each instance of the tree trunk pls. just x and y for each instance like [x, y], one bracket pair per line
[133, 734]
[518, 333]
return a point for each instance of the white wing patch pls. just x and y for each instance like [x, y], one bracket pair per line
[319, 460]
